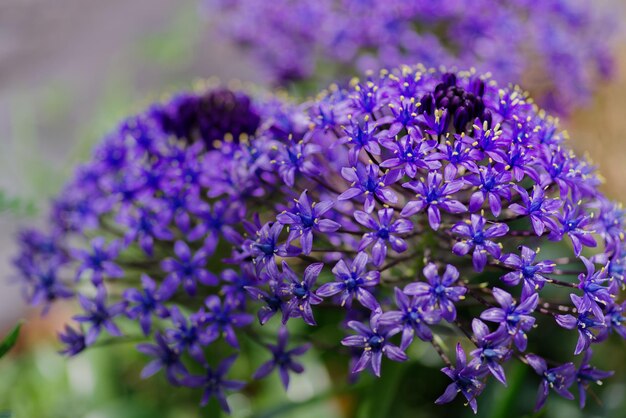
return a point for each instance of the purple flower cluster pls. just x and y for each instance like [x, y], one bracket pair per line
[416, 212]
[558, 48]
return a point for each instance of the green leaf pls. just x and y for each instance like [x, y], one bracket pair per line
[10, 340]
[378, 399]
[504, 401]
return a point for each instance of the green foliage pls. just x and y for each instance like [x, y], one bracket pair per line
[10, 340]
[103, 382]
[16, 206]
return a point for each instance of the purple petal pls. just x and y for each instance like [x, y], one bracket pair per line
[542, 395]
[493, 315]
[284, 376]
[394, 353]
[182, 250]
[330, 289]
[461, 248]
[399, 245]
[476, 201]
[360, 262]
[363, 361]
[402, 226]
[502, 297]
[367, 299]
[365, 219]
[448, 395]
[151, 369]
[453, 206]
[412, 208]
[350, 193]
[326, 225]
[379, 253]
[566, 321]
[264, 370]
[495, 204]
[377, 358]
[480, 329]
[354, 341]
[434, 217]
[537, 363]
[311, 273]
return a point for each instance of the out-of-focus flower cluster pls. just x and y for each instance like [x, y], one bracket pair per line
[413, 205]
[558, 48]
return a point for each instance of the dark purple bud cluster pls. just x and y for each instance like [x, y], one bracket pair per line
[415, 213]
[208, 117]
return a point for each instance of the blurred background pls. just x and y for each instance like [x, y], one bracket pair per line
[69, 69]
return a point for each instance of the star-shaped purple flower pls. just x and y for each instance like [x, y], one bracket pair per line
[365, 180]
[615, 320]
[144, 226]
[439, 293]
[188, 269]
[525, 269]
[538, 207]
[282, 359]
[215, 222]
[99, 261]
[517, 160]
[265, 247]
[234, 284]
[215, 384]
[352, 282]
[411, 153]
[221, 319]
[465, 380]
[493, 185]
[98, 315]
[458, 154]
[515, 319]
[294, 158]
[596, 295]
[187, 334]
[588, 374]
[165, 357]
[299, 292]
[361, 136]
[374, 341]
[558, 378]
[492, 349]
[142, 304]
[272, 299]
[384, 233]
[477, 237]
[589, 325]
[73, 340]
[411, 319]
[434, 195]
[43, 282]
[405, 113]
[304, 219]
[575, 224]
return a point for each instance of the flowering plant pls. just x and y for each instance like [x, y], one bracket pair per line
[409, 208]
[558, 48]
